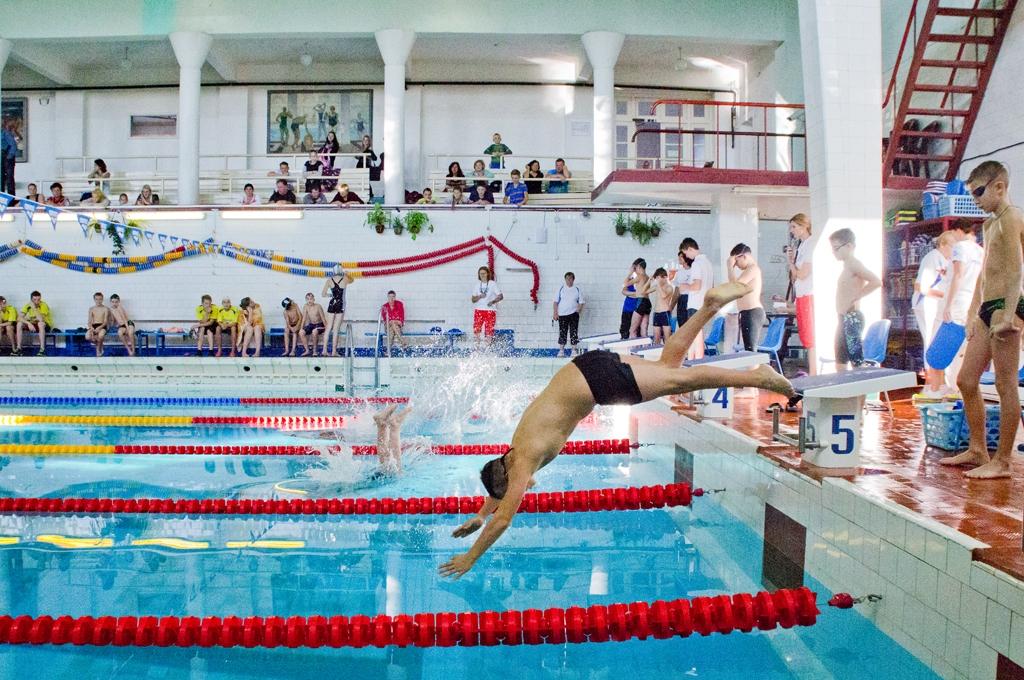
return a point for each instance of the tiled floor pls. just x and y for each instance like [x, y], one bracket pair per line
[898, 466]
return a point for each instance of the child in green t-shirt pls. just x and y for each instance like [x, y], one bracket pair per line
[497, 151]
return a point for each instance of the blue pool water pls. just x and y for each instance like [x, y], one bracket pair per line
[369, 565]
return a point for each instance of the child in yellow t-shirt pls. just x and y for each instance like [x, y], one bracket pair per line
[9, 325]
[36, 318]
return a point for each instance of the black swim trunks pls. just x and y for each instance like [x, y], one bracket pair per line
[662, 319]
[643, 308]
[988, 308]
[610, 380]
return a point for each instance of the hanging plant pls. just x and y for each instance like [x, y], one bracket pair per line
[111, 231]
[377, 218]
[416, 221]
[621, 223]
[656, 224]
[640, 230]
[397, 225]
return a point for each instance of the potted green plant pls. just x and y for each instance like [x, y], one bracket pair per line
[397, 225]
[640, 230]
[111, 231]
[621, 224]
[377, 218]
[656, 224]
[416, 221]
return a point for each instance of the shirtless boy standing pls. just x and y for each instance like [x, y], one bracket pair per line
[125, 326]
[592, 378]
[663, 295]
[292, 326]
[993, 324]
[638, 279]
[855, 282]
[99, 319]
[751, 312]
[313, 323]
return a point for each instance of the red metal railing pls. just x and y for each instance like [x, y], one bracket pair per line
[911, 20]
[731, 133]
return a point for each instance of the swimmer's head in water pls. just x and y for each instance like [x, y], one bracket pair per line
[494, 475]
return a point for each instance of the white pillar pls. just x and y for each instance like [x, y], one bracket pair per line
[191, 49]
[843, 95]
[394, 45]
[736, 220]
[603, 51]
[5, 51]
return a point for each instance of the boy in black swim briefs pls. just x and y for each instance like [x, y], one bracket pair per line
[993, 324]
[590, 379]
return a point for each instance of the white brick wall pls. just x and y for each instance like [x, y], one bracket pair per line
[586, 245]
[1001, 118]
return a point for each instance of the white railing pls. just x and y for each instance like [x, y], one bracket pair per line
[158, 164]
[580, 182]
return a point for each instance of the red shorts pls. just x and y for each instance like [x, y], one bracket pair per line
[484, 318]
[805, 320]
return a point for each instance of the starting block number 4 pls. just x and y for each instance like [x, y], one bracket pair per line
[715, 403]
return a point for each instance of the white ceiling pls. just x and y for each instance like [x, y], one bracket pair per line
[339, 58]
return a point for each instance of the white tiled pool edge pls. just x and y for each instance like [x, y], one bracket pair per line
[953, 614]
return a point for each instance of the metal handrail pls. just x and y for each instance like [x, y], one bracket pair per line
[350, 347]
[376, 351]
[911, 20]
[295, 157]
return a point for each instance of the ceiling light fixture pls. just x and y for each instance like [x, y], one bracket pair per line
[704, 62]
[681, 63]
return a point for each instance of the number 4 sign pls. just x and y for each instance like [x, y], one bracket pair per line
[715, 403]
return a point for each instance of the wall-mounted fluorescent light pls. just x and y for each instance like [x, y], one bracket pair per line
[256, 214]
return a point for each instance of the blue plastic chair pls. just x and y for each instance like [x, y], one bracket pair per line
[772, 343]
[876, 342]
[714, 336]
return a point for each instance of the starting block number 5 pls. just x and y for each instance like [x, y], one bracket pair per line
[843, 435]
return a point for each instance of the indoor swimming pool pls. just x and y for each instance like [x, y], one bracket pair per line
[124, 564]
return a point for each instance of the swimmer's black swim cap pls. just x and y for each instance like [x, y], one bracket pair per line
[494, 475]
[285, 302]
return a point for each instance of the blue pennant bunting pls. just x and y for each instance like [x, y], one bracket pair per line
[174, 241]
[29, 208]
[163, 241]
[120, 231]
[5, 201]
[83, 221]
[149, 237]
[135, 234]
[53, 211]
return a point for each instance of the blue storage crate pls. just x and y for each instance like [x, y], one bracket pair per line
[930, 211]
[959, 206]
[945, 426]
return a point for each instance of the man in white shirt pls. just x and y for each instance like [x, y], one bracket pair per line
[933, 278]
[568, 304]
[967, 258]
[702, 279]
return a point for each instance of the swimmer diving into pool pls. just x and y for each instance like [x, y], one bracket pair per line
[593, 378]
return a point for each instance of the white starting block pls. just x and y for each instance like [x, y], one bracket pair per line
[624, 346]
[650, 352]
[598, 341]
[717, 402]
[829, 434]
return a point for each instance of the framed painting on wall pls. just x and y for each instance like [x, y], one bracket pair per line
[14, 113]
[299, 120]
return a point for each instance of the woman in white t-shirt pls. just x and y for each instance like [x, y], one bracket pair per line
[485, 296]
[803, 290]
[930, 286]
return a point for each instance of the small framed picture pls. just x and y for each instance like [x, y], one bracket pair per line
[153, 126]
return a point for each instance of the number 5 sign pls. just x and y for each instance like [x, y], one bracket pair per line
[836, 427]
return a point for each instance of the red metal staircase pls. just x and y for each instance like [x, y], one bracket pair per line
[953, 56]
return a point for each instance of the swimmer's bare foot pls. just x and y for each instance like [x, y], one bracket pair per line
[217, 354]
[305, 351]
[996, 468]
[768, 379]
[469, 526]
[399, 418]
[968, 457]
[724, 293]
[382, 417]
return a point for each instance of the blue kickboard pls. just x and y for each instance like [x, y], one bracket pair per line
[945, 345]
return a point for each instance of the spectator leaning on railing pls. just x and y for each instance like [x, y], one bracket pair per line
[282, 194]
[147, 197]
[497, 151]
[249, 196]
[454, 178]
[345, 197]
[314, 197]
[481, 195]
[57, 197]
[558, 177]
[534, 178]
[458, 198]
[427, 198]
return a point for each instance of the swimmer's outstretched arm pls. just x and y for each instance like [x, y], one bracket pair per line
[476, 521]
[507, 508]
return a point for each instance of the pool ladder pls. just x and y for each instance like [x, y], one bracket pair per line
[350, 357]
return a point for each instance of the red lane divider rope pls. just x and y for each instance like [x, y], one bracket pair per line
[588, 500]
[583, 447]
[283, 422]
[660, 619]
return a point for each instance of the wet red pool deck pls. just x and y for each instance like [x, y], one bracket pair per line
[898, 466]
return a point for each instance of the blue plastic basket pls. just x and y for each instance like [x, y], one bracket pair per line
[945, 426]
[959, 206]
[930, 211]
